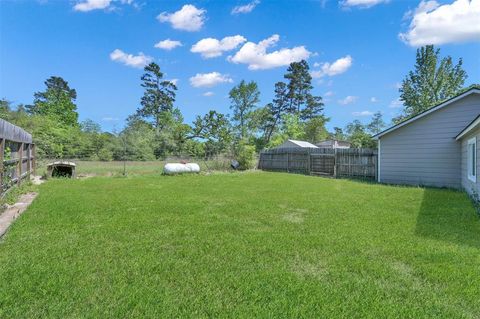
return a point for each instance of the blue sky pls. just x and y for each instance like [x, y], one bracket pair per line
[358, 50]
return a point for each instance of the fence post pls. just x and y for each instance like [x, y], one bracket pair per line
[309, 162]
[20, 164]
[288, 161]
[335, 163]
[2, 153]
[29, 161]
[34, 160]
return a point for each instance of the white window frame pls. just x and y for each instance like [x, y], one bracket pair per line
[472, 159]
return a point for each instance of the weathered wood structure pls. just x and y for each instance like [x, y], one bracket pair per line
[17, 155]
[61, 169]
[352, 163]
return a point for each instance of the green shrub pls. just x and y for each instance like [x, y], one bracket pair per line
[245, 155]
[105, 155]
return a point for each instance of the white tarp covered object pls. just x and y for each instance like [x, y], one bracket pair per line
[178, 168]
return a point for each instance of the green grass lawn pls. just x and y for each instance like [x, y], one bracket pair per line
[241, 245]
[115, 168]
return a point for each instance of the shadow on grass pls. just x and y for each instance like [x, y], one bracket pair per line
[449, 216]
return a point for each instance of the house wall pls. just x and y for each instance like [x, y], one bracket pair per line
[333, 144]
[425, 152]
[467, 184]
[325, 144]
[339, 144]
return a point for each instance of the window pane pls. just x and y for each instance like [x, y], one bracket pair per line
[474, 160]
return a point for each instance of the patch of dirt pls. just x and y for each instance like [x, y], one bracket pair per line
[37, 180]
[294, 215]
[304, 268]
[296, 218]
[86, 175]
[13, 211]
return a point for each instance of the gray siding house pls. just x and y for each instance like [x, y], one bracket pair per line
[470, 150]
[432, 148]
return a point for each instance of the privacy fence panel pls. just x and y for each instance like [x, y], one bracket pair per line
[353, 163]
[17, 155]
[359, 163]
[322, 164]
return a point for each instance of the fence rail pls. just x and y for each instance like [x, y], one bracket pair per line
[17, 156]
[353, 163]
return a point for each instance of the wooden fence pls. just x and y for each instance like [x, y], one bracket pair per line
[17, 156]
[353, 163]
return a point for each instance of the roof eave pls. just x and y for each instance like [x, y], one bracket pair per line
[469, 128]
[430, 110]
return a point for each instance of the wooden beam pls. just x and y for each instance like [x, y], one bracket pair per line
[13, 133]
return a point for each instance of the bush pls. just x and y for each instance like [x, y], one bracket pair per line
[105, 155]
[245, 155]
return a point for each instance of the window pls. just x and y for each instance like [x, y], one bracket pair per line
[472, 159]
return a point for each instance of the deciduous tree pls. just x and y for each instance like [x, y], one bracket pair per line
[214, 129]
[377, 124]
[243, 98]
[57, 101]
[433, 80]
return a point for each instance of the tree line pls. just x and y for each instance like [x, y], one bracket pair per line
[157, 128]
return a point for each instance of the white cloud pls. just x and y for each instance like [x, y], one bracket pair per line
[168, 44]
[89, 5]
[362, 113]
[338, 67]
[174, 81]
[110, 119]
[136, 61]
[433, 23]
[257, 58]
[210, 47]
[348, 100]
[189, 18]
[329, 93]
[373, 99]
[209, 80]
[209, 93]
[245, 8]
[361, 3]
[396, 104]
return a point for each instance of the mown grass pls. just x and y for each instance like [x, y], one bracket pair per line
[115, 168]
[241, 245]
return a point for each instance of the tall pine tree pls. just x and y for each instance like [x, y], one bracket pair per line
[158, 97]
[301, 101]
